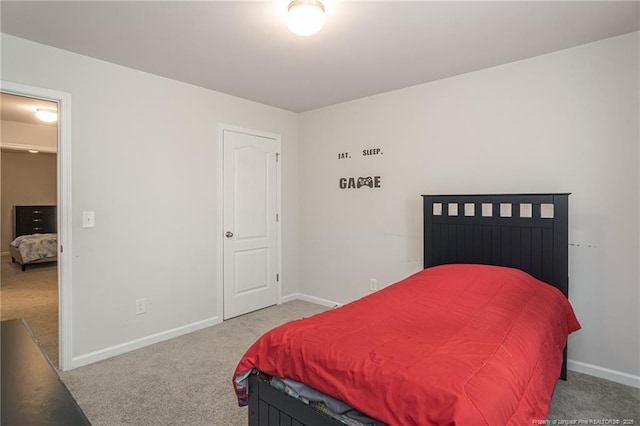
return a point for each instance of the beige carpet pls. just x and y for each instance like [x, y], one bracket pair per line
[187, 381]
[32, 295]
[184, 381]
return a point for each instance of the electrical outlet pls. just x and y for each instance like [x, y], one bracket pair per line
[373, 284]
[141, 306]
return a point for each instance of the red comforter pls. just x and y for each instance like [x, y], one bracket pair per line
[450, 345]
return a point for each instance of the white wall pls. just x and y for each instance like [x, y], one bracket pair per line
[562, 122]
[145, 160]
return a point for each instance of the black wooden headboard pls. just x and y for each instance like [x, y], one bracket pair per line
[525, 231]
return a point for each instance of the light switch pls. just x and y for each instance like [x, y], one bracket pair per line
[88, 219]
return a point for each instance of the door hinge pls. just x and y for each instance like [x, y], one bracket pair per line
[277, 217]
[61, 249]
[278, 278]
[277, 156]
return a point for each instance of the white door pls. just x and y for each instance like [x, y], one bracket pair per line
[250, 224]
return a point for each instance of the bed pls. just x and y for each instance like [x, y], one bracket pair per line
[35, 238]
[477, 337]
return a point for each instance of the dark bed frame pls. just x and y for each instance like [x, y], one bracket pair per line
[520, 231]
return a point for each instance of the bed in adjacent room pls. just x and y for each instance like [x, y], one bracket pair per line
[35, 238]
[477, 337]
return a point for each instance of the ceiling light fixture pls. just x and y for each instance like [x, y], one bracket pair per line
[47, 115]
[34, 151]
[305, 17]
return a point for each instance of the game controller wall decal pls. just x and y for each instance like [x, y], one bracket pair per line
[353, 183]
[362, 181]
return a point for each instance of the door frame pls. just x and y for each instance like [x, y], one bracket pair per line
[219, 237]
[63, 99]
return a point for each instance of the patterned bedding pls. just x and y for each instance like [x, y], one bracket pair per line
[36, 246]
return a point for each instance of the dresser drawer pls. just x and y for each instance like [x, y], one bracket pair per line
[34, 220]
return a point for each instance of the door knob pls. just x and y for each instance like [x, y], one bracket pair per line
[229, 234]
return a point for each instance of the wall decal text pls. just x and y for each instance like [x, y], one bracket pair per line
[353, 183]
[371, 151]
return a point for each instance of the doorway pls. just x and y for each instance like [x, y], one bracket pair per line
[251, 220]
[41, 293]
[28, 201]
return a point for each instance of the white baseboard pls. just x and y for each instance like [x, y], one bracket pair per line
[311, 299]
[90, 358]
[604, 373]
[289, 298]
[96, 356]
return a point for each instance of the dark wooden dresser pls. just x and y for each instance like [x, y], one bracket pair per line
[34, 220]
[32, 392]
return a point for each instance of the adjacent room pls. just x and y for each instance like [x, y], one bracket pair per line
[29, 197]
[217, 172]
